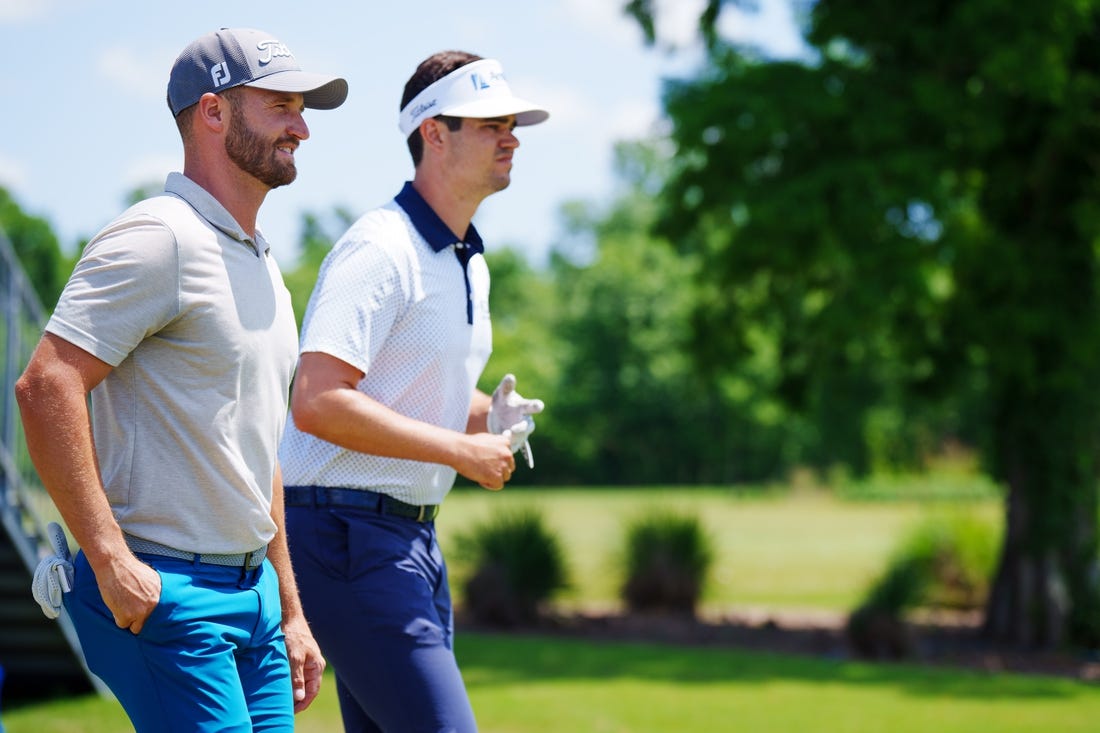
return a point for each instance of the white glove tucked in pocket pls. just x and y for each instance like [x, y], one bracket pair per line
[54, 574]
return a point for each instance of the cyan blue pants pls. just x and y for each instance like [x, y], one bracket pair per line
[211, 656]
[374, 589]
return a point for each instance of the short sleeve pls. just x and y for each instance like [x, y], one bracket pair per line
[124, 288]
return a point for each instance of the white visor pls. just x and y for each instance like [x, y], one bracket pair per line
[477, 89]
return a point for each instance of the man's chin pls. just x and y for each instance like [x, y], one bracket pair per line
[285, 178]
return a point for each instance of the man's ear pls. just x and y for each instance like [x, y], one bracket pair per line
[212, 110]
[431, 130]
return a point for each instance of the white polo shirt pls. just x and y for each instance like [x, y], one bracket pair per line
[195, 319]
[394, 301]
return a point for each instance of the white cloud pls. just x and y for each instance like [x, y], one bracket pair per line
[678, 22]
[152, 169]
[604, 19]
[772, 28]
[566, 105]
[633, 120]
[573, 114]
[20, 11]
[125, 69]
[13, 176]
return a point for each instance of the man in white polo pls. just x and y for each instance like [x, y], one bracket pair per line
[386, 411]
[178, 325]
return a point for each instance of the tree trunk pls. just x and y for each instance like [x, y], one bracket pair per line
[1046, 590]
[1044, 369]
[1028, 605]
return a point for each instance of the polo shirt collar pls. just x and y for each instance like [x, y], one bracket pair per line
[210, 208]
[438, 236]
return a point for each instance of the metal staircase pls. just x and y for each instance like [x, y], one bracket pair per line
[40, 657]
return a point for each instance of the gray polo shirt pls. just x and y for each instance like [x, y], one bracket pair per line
[195, 319]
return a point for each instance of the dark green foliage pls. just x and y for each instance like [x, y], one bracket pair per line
[525, 306]
[666, 558]
[518, 565]
[630, 405]
[37, 248]
[912, 219]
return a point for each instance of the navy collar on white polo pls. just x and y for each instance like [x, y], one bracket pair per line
[439, 236]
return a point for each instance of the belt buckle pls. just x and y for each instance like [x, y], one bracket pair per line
[248, 557]
[420, 514]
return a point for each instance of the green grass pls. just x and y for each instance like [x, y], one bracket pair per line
[774, 551]
[777, 551]
[524, 684]
[531, 685]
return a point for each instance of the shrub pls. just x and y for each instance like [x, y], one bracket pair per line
[958, 555]
[667, 558]
[517, 565]
[944, 563]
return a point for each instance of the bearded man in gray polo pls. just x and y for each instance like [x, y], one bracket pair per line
[178, 325]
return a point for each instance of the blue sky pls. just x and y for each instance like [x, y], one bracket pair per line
[85, 119]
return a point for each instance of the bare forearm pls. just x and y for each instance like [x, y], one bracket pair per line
[52, 395]
[307, 664]
[327, 404]
[352, 420]
[278, 552]
[58, 434]
[478, 422]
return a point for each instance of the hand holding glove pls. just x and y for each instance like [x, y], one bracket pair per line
[54, 574]
[510, 414]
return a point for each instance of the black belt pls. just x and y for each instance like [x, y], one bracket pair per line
[317, 496]
[246, 560]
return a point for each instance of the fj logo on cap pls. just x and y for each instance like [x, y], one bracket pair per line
[272, 49]
[220, 74]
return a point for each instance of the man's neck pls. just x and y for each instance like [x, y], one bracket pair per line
[454, 209]
[240, 194]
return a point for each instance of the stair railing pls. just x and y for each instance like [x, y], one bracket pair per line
[25, 508]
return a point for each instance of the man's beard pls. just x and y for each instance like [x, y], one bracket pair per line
[255, 156]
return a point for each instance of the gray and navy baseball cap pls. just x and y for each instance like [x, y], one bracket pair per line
[234, 57]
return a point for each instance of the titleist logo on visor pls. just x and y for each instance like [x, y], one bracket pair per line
[422, 108]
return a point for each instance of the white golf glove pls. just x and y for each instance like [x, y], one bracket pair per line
[54, 574]
[510, 413]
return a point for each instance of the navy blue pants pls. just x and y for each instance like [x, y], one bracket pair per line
[211, 656]
[374, 589]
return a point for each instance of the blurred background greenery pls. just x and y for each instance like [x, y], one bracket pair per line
[838, 271]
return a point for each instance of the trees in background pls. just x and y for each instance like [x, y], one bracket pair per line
[37, 247]
[630, 404]
[914, 214]
[841, 261]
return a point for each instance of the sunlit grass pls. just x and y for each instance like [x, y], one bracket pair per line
[524, 684]
[779, 550]
[782, 551]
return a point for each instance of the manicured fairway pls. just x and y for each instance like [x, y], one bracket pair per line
[781, 551]
[522, 684]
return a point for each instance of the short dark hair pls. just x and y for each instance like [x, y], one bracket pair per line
[185, 120]
[431, 70]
